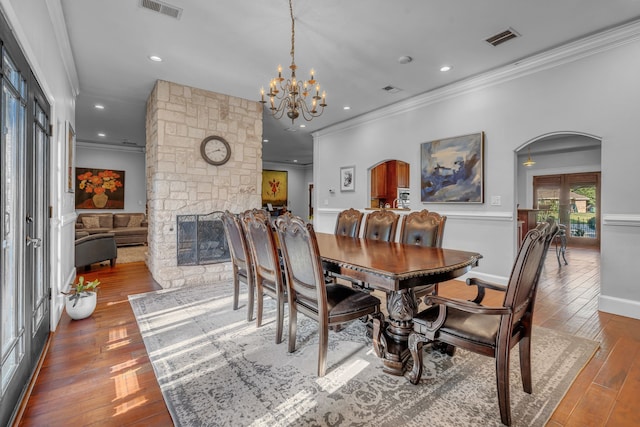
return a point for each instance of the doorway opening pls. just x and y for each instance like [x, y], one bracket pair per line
[563, 182]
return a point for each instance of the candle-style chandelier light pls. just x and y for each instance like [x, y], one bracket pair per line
[291, 95]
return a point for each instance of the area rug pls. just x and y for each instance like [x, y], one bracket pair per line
[127, 254]
[216, 369]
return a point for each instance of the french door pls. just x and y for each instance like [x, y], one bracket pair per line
[574, 199]
[24, 269]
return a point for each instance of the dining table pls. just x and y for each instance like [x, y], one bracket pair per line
[394, 268]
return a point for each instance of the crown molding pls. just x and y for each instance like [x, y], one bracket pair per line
[64, 45]
[570, 52]
[109, 147]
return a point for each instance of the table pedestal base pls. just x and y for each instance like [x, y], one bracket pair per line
[390, 338]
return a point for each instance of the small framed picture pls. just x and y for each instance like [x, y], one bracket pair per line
[348, 178]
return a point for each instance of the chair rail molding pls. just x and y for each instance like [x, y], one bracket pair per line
[627, 220]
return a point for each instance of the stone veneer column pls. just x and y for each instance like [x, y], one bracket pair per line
[180, 182]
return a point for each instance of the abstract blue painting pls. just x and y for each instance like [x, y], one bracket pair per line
[452, 170]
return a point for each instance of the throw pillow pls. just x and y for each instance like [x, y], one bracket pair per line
[135, 221]
[91, 222]
[121, 220]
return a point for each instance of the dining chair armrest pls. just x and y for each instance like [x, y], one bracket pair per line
[467, 306]
[482, 285]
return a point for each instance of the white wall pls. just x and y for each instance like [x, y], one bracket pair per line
[41, 33]
[590, 87]
[131, 161]
[298, 184]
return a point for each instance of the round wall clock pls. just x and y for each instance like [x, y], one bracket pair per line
[215, 150]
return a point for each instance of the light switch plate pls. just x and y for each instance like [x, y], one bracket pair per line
[496, 201]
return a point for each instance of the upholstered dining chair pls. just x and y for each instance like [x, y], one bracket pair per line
[423, 228]
[240, 259]
[330, 304]
[267, 272]
[491, 331]
[381, 225]
[348, 223]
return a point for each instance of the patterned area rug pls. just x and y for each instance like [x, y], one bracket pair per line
[127, 254]
[215, 368]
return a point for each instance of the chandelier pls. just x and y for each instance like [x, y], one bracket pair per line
[529, 162]
[296, 98]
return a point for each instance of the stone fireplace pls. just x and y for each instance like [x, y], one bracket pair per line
[180, 182]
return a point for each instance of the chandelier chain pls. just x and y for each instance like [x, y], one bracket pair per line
[293, 32]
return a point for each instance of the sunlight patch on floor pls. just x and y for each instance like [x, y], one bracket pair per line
[341, 375]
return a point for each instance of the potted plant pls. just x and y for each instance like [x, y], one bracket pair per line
[81, 300]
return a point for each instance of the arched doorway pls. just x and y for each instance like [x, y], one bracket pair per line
[562, 179]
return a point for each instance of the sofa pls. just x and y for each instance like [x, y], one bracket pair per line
[92, 248]
[127, 228]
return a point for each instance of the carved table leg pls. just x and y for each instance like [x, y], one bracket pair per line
[416, 341]
[391, 342]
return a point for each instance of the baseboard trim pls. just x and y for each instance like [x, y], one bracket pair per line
[619, 306]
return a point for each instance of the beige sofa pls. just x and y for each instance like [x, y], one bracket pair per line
[128, 228]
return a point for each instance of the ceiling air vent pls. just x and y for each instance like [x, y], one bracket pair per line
[162, 7]
[502, 37]
[391, 89]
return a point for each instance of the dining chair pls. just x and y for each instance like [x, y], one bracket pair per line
[348, 223]
[381, 225]
[330, 304]
[267, 272]
[487, 330]
[423, 228]
[240, 259]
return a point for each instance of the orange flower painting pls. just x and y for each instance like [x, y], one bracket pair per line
[274, 188]
[99, 189]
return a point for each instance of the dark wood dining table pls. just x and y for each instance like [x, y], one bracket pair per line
[394, 268]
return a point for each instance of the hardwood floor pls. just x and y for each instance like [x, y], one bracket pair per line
[97, 371]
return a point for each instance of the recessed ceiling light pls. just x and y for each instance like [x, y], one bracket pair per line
[99, 107]
[303, 126]
[155, 58]
[265, 140]
[346, 107]
[445, 68]
[102, 134]
[295, 161]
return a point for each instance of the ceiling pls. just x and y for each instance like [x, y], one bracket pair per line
[234, 47]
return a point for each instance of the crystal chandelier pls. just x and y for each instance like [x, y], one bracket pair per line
[291, 95]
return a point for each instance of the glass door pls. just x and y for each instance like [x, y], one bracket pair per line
[573, 199]
[24, 203]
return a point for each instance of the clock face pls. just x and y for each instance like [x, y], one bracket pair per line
[215, 150]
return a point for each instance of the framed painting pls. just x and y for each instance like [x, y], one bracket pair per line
[274, 188]
[99, 188]
[452, 171]
[348, 178]
[70, 146]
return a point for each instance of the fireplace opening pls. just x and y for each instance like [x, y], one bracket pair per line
[201, 239]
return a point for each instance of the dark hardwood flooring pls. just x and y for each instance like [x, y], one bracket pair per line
[97, 371]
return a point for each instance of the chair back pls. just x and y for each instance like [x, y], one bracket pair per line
[237, 241]
[303, 265]
[262, 243]
[348, 223]
[423, 228]
[381, 225]
[525, 274]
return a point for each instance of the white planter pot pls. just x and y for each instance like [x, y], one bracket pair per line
[84, 306]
